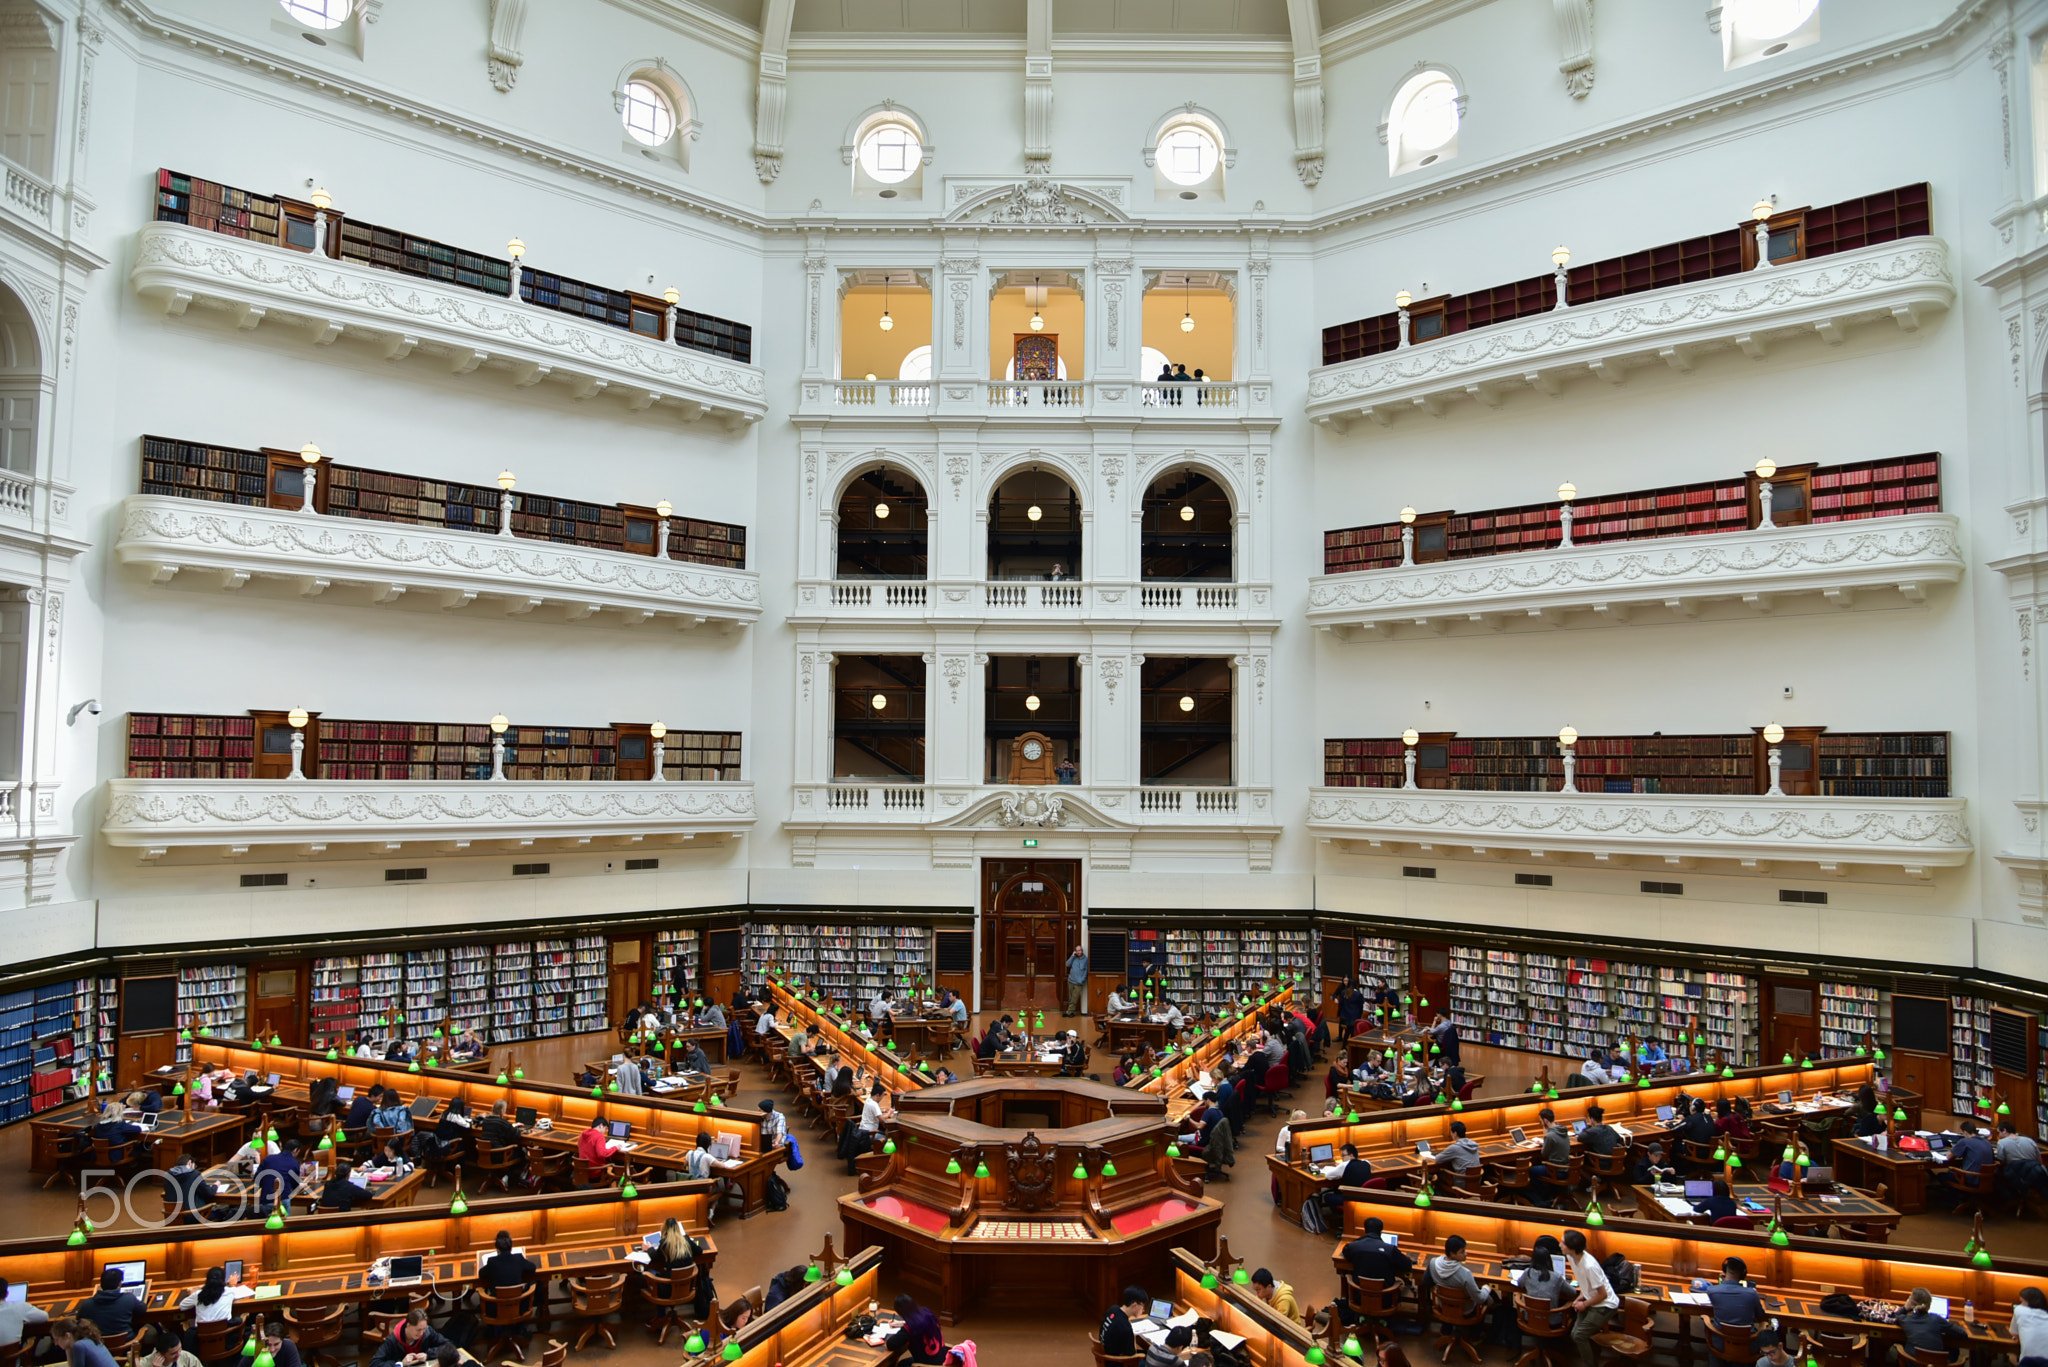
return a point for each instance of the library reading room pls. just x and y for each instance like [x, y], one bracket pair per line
[1023, 683]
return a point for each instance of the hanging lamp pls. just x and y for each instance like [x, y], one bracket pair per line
[887, 321]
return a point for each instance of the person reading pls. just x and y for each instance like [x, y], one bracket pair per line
[411, 1342]
[1118, 1338]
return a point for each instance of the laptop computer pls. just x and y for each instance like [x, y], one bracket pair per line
[147, 1120]
[1785, 1097]
[274, 1078]
[344, 1094]
[1161, 1311]
[1698, 1191]
[1578, 1127]
[423, 1106]
[1422, 1148]
[17, 1293]
[622, 1129]
[134, 1275]
[525, 1116]
[1664, 1114]
[405, 1271]
[1321, 1153]
[1518, 1136]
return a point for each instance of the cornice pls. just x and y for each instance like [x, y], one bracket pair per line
[1394, 22]
[691, 21]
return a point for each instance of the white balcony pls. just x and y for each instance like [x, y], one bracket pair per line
[1900, 281]
[1039, 400]
[1654, 829]
[1032, 602]
[343, 559]
[1839, 563]
[319, 816]
[461, 329]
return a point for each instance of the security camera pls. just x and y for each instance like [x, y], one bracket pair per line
[91, 705]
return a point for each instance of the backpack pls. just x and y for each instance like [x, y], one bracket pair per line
[1312, 1216]
[1624, 1276]
[961, 1354]
[778, 1193]
[796, 1155]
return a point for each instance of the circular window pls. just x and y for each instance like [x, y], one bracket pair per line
[1187, 155]
[649, 118]
[1431, 119]
[1767, 19]
[322, 14]
[890, 152]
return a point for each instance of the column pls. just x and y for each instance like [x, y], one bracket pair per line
[953, 708]
[960, 309]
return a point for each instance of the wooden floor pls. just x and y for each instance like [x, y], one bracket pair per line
[751, 1251]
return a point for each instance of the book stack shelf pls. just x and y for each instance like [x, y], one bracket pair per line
[589, 1008]
[1506, 1017]
[1969, 1052]
[1258, 957]
[511, 992]
[1468, 992]
[1543, 983]
[215, 996]
[1909, 764]
[719, 336]
[1363, 764]
[2041, 1083]
[891, 956]
[166, 746]
[1635, 1000]
[425, 987]
[1144, 955]
[1182, 968]
[819, 955]
[702, 757]
[614, 308]
[337, 996]
[17, 1054]
[1586, 1007]
[391, 750]
[1728, 1016]
[106, 1030]
[1296, 953]
[380, 496]
[1849, 1011]
[576, 754]
[1850, 493]
[554, 987]
[216, 474]
[218, 208]
[49, 1046]
[382, 980]
[469, 987]
[1382, 963]
[392, 250]
[676, 958]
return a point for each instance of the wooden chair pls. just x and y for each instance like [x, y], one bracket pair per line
[553, 1171]
[1103, 1359]
[554, 1355]
[1452, 1314]
[74, 1156]
[443, 1164]
[218, 1341]
[1838, 1349]
[1612, 1170]
[498, 1163]
[1922, 1357]
[1553, 1346]
[1974, 1191]
[316, 1331]
[1374, 1305]
[119, 1346]
[1553, 1187]
[593, 1298]
[506, 1311]
[379, 1325]
[1737, 1345]
[1631, 1341]
[726, 1085]
[1512, 1182]
[125, 1159]
[668, 1295]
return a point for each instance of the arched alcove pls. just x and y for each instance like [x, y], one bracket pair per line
[1187, 529]
[1034, 527]
[884, 526]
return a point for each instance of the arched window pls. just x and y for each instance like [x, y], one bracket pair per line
[884, 523]
[1752, 30]
[917, 365]
[655, 112]
[1034, 528]
[1152, 362]
[1185, 529]
[1188, 153]
[320, 14]
[649, 118]
[1422, 123]
[888, 151]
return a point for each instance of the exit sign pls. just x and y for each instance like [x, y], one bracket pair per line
[1030, 843]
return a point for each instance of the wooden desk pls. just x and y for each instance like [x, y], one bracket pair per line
[207, 1135]
[1024, 1065]
[1812, 1214]
[892, 1068]
[383, 1195]
[1791, 1280]
[1135, 1033]
[920, 1034]
[1271, 1339]
[1905, 1176]
[809, 1328]
[1185, 1066]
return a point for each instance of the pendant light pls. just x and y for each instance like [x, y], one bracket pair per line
[882, 510]
[1187, 308]
[1187, 512]
[1034, 512]
[1031, 703]
[887, 321]
[1037, 319]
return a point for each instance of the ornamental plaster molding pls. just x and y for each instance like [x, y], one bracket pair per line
[167, 536]
[1915, 833]
[176, 265]
[1909, 553]
[1900, 280]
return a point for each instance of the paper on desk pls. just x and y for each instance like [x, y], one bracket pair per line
[1232, 1342]
[1187, 1319]
[1155, 1334]
[1677, 1205]
[1689, 1298]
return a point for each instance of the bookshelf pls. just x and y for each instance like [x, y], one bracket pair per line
[1837, 493]
[719, 336]
[511, 992]
[1144, 955]
[678, 956]
[1182, 968]
[589, 1008]
[182, 198]
[1969, 1053]
[423, 987]
[1586, 1006]
[217, 474]
[1468, 992]
[1382, 963]
[381, 980]
[890, 956]
[337, 996]
[1295, 953]
[554, 987]
[51, 1044]
[1506, 1017]
[1547, 1029]
[215, 996]
[1633, 999]
[614, 308]
[1849, 1011]
[1883, 217]
[173, 746]
[1910, 764]
[392, 250]
[819, 955]
[694, 756]
[469, 987]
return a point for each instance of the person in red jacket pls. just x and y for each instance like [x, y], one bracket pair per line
[593, 1153]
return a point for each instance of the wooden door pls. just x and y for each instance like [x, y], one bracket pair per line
[722, 947]
[1339, 966]
[1921, 1045]
[1031, 921]
[278, 998]
[635, 756]
[1791, 1019]
[285, 481]
[1798, 764]
[140, 1055]
[631, 963]
[273, 756]
[1429, 979]
[2013, 1048]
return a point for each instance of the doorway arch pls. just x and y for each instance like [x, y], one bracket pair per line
[1031, 921]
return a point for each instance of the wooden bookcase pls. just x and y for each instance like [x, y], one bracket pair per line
[597, 303]
[217, 474]
[1796, 235]
[719, 336]
[222, 209]
[162, 745]
[392, 250]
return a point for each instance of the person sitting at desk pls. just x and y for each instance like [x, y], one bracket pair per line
[341, 1191]
[1277, 1294]
[1455, 1082]
[393, 1159]
[454, 1129]
[277, 1176]
[497, 1131]
[194, 1193]
[1700, 1127]
[2019, 1163]
[1372, 1258]
[1447, 1270]
[1172, 1350]
[1652, 1167]
[1126, 1069]
[214, 1302]
[1545, 1280]
[880, 1006]
[400, 1050]
[391, 1114]
[112, 1310]
[633, 1017]
[1118, 1339]
[956, 1007]
[211, 1085]
[1736, 1305]
[1599, 1137]
[507, 1266]
[1595, 1072]
[1924, 1331]
[411, 1341]
[320, 1100]
[712, 1017]
[626, 1077]
[1462, 1154]
[361, 1108]
[1169, 1013]
[1972, 1151]
[2030, 1326]
[1116, 1005]
[468, 1045]
[992, 1043]
[1652, 1055]
[811, 1041]
[168, 1351]
[147, 1102]
[919, 1341]
[594, 1151]
[1075, 1055]
[1554, 1163]
[113, 1127]
[79, 1341]
[696, 1060]
[765, 1026]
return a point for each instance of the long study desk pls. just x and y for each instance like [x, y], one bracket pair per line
[808, 1329]
[1791, 1280]
[663, 1132]
[320, 1259]
[1388, 1140]
[207, 1135]
[885, 1064]
[1271, 1339]
[1906, 1175]
[1812, 1213]
[1180, 1072]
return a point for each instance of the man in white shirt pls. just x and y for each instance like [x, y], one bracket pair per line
[878, 1009]
[1595, 1074]
[1173, 1017]
[1116, 1004]
[767, 1024]
[626, 1074]
[1596, 1303]
[1280, 1145]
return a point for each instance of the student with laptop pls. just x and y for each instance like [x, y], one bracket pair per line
[113, 1125]
[594, 1150]
[17, 1316]
[1927, 1332]
[1736, 1304]
[1116, 1334]
[496, 1130]
[1599, 1137]
[506, 1266]
[113, 1308]
[214, 1302]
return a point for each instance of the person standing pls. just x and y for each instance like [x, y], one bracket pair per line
[1077, 979]
[1596, 1301]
